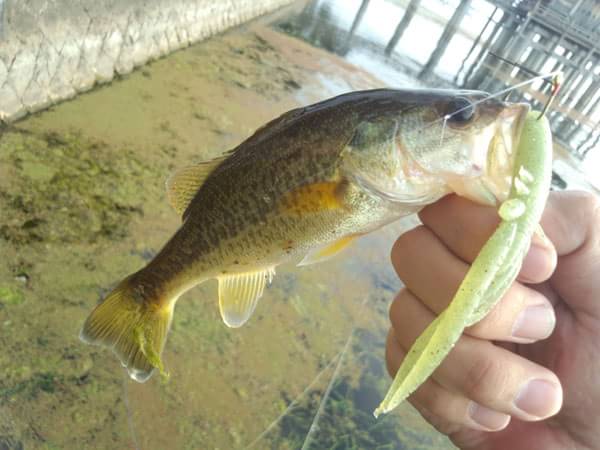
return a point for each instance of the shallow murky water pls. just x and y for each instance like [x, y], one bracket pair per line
[82, 205]
[82, 201]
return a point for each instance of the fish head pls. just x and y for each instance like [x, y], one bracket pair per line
[439, 142]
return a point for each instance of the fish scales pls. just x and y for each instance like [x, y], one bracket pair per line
[307, 183]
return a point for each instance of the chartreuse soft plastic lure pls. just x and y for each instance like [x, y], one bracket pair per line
[494, 269]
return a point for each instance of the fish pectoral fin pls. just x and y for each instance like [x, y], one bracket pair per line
[325, 252]
[184, 183]
[239, 294]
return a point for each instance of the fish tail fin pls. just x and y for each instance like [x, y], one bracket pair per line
[134, 329]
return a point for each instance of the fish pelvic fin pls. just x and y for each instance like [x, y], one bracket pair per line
[135, 330]
[239, 294]
[325, 252]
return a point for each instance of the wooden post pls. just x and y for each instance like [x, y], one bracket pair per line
[475, 43]
[445, 38]
[411, 9]
[508, 25]
[484, 50]
[356, 22]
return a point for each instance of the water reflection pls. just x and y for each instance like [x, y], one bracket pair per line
[345, 28]
[83, 204]
[477, 44]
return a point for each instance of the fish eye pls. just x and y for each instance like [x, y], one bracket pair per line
[459, 111]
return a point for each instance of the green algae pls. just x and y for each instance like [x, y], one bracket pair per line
[82, 201]
[347, 420]
[268, 69]
[68, 188]
[11, 296]
[40, 382]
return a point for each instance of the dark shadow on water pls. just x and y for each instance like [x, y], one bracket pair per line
[347, 420]
[320, 24]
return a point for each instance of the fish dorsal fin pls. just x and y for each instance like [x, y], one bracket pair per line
[328, 251]
[239, 294]
[184, 183]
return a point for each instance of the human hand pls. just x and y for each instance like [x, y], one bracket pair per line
[504, 375]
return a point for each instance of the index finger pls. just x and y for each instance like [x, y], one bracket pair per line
[464, 226]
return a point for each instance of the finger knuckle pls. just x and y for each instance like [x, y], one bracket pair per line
[390, 360]
[491, 325]
[395, 311]
[496, 324]
[499, 321]
[532, 297]
[591, 205]
[588, 202]
[484, 328]
[403, 249]
[437, 409]
[436, 404]
[481, 378]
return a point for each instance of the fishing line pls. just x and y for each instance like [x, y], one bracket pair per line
[295, 402]
[314, 425]
[515, 64]
[136, 444]
[446, 117]
[338, 357]
[545, 77]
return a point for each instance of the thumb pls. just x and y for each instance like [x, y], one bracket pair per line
[571, 221]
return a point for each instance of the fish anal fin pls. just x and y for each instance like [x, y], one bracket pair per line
[183, 185]
[325, 252]
[313, 198]
[239, 294]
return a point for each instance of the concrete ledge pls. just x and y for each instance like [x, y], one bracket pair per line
[50, 50]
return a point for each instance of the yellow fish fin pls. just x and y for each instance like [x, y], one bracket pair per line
[323, 253]
[239, 294]
[313, 198]
[135, 330]
[184, 183]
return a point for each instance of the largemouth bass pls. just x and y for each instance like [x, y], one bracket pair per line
[306, 185]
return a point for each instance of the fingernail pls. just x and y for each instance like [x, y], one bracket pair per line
[534, 323]
[488, 418]
[537, 264]
[539, 398]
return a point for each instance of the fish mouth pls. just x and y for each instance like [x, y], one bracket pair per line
[502, 147]
[502, 151]
[493, 185]
[511, 124]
